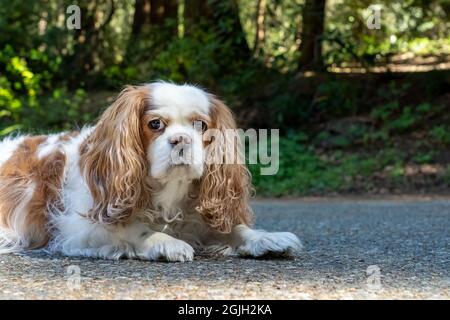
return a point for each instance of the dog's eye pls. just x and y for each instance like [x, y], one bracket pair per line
[200, 125]
[156, 124]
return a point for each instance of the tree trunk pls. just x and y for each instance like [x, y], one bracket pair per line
[311, 35]
[234, 35]
[141, 16]
[260, 33]
[207, 15]
[194, 12]
[155, 13]
[164, 14]
[87, 39]
[153, 19]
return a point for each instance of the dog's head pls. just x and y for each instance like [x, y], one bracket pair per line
[164, 131]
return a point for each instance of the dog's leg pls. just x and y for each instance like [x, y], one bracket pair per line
[153, 245]
[134, 240]
[245, 241]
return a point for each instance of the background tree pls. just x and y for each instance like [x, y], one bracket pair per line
[155, 22]
[141, 17]
[150, 14]
[87, 39]
[363, 111]
[260, 32]
[311, 35]
[220, 20]
[196, 12]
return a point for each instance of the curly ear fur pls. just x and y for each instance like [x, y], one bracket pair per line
[224, 188]
[113, 159]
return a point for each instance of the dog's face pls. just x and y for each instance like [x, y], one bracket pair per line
[164, 132]
[173, 125]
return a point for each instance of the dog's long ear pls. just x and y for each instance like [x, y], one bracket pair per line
[113, 159]
[225, 187]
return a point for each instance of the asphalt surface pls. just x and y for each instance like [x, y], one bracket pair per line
[353, 250]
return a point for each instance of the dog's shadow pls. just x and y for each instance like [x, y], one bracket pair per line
[273, 256]
[201, 256]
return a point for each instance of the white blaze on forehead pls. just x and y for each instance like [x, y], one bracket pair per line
[178, 100]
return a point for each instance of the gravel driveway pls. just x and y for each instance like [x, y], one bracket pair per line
[353, 250]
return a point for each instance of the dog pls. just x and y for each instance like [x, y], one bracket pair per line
[115, 189]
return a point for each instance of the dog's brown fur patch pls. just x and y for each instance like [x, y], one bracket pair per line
[22, 174]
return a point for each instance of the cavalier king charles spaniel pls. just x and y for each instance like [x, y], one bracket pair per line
[116, 190]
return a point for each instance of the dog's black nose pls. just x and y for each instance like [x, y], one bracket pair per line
[180, 138]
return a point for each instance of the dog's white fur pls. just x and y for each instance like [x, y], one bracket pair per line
[169, 228]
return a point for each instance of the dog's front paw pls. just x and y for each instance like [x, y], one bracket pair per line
[161, 246]
[260, 243]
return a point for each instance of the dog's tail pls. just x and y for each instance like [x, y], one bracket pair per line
[16, 232]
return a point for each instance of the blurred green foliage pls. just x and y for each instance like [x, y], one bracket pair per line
[413, 26]
[53, 78]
